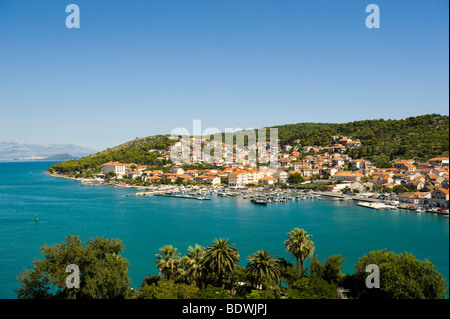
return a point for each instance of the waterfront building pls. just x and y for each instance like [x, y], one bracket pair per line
[116, 167]
[347, 176]
[440, 198]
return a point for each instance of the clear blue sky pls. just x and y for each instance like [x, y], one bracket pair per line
[139, 68]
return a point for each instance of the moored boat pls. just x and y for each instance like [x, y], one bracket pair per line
[259, 201]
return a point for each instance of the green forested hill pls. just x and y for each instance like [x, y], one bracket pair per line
[383, 141]
[420, 137]
[142, 151]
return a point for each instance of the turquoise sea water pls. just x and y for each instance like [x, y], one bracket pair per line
[144, 224]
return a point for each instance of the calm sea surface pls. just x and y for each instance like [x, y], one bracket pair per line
[144, 224]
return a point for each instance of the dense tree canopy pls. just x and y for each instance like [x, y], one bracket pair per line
[214, 273]
[420, 137]
[143, 151]
[103, 272]
[402, 276]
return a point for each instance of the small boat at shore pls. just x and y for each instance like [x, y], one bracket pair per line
[259, 201]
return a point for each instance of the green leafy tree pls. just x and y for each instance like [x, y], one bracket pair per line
[110, 175]
[192, 264]
[295, 178]
[332, 271]
[103, 272]
[317, 288]
[221, 258]
[300, 245]
[316, 268]
[167, 289]
[402, 276]
[263, 267]
[399, 189]
[212, 292]
[273, 293]
[168, 261]
[346, 189]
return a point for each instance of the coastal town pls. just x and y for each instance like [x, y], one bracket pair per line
[415, 185]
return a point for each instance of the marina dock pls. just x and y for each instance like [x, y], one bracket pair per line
[376, 205]
[165, 194]
[264, 197]
[184, 196]
[345, 197]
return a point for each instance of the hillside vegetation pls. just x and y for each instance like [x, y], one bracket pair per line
[383, 141]
[142, 151]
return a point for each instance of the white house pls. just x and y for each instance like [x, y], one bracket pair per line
[282, 176]
[254, 175]
[238, 178]
[176, 170]
[347, 176]
[268, 180]
[213, 180]
[116, 167]
[359, 164]
[133, 174]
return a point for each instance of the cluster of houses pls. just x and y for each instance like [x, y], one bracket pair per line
[428, 182]
[133, 171]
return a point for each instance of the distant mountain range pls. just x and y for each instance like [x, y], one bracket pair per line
[15, 151]
[60, 157]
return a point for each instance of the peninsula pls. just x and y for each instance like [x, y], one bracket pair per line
[403, 160]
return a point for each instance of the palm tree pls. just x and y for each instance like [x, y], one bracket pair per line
[263, 266]
[168, 261]
[193, 264]
[299, 245]
[221, 258]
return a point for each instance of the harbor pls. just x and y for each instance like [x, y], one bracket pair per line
[266, 195]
